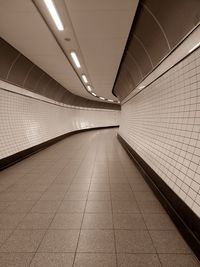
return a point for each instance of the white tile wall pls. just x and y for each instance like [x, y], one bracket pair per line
[26, 121]
[162, 124]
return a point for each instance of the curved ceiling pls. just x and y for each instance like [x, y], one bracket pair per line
[157, 29]
[97, 30]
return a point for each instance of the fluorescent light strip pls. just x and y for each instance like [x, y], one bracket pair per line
[54, 14]
[141, 87]
[94, 94]
[110, 100]
[102, 98]
[84, 78]
[193, 48]
[75, 59]
[89, 88]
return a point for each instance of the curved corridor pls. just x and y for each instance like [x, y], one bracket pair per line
[83, 203]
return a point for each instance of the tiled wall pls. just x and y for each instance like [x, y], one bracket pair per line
[28, 120]
[162, 124]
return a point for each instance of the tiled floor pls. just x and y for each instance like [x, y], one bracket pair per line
[82, 203]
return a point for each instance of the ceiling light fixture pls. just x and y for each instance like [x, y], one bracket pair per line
[102, 98]
[54, 14]
[193, 48]
[94, 94]
[110, 100]
[75, 59]
[141, 87]
[89, 88]
[84, 78]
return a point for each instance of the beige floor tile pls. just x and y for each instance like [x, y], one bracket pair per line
[59, 241]
[67, 221]
[97, 221]
[95, 260]
[19, 207]
[138, 260]
[72, 206]
[15, 259]
[53, 260]
[178, 260]
[4, 234]
[98, 206]
[10, 221]
[125, 207]
[133, 241]
[23, 241]
[169, 242]
[46, 207]
[128, 221]
[76, 196]
[99, 196]
[159, 222]
[96, 241]
[36, 221]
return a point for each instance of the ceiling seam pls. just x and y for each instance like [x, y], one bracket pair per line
[141, 43]
[12, 65]
[159, 25]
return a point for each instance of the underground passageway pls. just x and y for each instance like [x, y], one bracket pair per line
[83, 203]
[99, 133]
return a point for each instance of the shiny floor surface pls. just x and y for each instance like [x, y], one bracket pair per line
[82, 203]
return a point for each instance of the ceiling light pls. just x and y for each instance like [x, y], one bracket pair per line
[141, 87]
[75, 59]
[54, 14]
[110, 100]
[94, 94]
[84, 78]
[102, 98]
[193, 48]
[89, 88]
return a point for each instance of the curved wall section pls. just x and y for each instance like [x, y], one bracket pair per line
[29, 120]
[162, 125]
[15, 68]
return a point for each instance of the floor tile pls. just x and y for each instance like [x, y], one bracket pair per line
[100, 187]
[178, 260]
[150, 207]
[15, 259]
[95, 260]
[76, 196]
[122, 196]
[97, 221]
[96, 241]
[46, 207]
[99, 196]
[169, 242]
[125, 207]
[53, 260]
[4, 234]
[98, 206]
[59, 241]
[23, 241]
[36, 221]
[133, 241]
[145, 196]
[138, 260]
[128, 221]
[19, 207]
[53, 196]
[67, 221]
[158, 222]
[10, 221]
[72, 206]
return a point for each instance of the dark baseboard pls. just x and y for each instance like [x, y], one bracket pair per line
[10, 160]
[184, 218]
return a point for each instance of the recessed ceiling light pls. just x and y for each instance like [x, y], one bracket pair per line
[193, 48]
[84, 78]
[75, 59]
[94, 94]
[89, 88]
[142, 87]
[110, 100]
[102, 98]
[54, 14]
